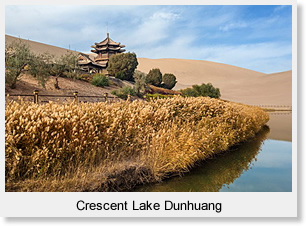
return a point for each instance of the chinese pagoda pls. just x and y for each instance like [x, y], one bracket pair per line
[97, 62]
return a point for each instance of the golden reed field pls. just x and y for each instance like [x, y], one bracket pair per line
[115, 146]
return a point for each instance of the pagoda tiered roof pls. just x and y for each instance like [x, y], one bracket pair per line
[102, 51]
[107, 42]
[106, 48]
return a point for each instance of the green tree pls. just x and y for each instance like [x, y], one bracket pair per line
[17, 56]
[70, 60]
[154, 77]
[122, 66]
[169, 81]
[66, 66]
[40, 67]
[46, 64]
[140, 82]
[57, 69]
[202, 90]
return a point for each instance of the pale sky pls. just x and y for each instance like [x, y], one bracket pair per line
[253, 37]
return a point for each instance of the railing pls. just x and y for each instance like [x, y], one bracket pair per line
[275, 107]
[105, 97]
[280, 112]
[36, 97]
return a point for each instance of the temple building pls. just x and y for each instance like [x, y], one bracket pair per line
[98, 60]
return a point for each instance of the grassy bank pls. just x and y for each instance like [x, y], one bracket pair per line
[107, 147]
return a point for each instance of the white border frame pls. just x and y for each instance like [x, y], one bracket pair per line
[234, 204]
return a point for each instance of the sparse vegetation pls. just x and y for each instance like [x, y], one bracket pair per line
[124, 92]
[204, 90]
[100, 80]
[19, 57]
[113, 147]
[163, 91]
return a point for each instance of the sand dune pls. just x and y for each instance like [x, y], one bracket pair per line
[38, 47]
[236, 84]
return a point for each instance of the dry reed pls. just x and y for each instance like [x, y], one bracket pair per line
[76, 142]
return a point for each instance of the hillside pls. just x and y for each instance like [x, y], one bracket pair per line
[38, 47]
[236, 84]
[27, 84]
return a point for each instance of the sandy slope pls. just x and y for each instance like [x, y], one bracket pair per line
[68, 86]
[38, 47]
[236, 84]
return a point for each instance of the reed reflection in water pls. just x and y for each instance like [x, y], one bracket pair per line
[217, 173]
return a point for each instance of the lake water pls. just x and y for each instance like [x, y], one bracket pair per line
[262, 164]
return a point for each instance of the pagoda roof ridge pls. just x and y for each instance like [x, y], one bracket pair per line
[107, 41]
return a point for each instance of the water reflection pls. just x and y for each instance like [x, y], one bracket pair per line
[280, 124]
[213, 174]
[271, 173]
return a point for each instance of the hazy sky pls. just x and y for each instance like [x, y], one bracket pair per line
[253, 37]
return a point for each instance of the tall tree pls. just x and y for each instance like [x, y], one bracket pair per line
[17, 56]
[40, 67]
[122, 66]
[140, 82]
[70, 60]
[66, 65]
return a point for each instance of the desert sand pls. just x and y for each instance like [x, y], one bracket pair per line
[236, 83]
[38, 47]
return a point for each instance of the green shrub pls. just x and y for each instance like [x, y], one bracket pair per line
[100, 80]
[189, 92]
[84, 77]
[169, 81]
[120, 75]
[154, 77]
[205, 90]
[124, 92]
